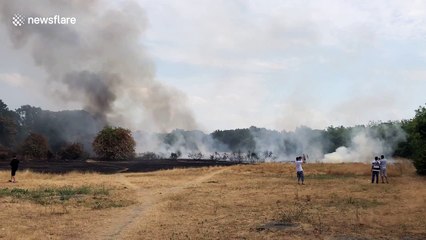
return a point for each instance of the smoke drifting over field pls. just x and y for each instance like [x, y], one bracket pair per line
[361, 143]
[366, 143]
[99, 62]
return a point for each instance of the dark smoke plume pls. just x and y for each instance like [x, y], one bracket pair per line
[100, 61]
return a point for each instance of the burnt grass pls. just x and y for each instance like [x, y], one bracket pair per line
[110, 167]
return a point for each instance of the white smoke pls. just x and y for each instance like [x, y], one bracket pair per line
[285, 146]
[272, 146]
[365, 144]
[184, 142]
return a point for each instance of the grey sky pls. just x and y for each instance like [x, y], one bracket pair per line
[274, 64]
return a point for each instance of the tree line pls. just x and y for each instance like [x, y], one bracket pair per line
[38, 133]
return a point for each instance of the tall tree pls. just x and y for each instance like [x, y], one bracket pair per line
[419, 140]
[8, 126]
[114, 143]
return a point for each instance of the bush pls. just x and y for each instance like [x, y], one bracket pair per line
[72, 151]
[114, 143]
[420, 162]
[35, 146]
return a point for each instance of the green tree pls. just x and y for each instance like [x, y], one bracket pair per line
[418, 139]
[4, 110]
[235, 140]
[35, 146]
[336, 137]
[60, 127]
[8, 126]
[8, 131]
[405, 148]
[114, 143]
[29, 117]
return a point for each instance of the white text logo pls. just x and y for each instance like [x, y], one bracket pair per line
[19, 20]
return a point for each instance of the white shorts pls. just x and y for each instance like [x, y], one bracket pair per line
[383, 172]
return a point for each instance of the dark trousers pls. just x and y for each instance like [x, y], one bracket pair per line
[300, 176]
[375, 174]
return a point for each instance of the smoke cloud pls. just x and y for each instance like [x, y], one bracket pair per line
[185, 142]
[285, 146]
[100, 61]
[365, 144]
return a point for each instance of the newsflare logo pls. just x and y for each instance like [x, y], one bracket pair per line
[19, 20]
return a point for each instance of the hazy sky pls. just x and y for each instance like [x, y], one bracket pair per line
[274, 64]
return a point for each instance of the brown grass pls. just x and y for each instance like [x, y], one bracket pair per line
[56, 218]
[261, 201]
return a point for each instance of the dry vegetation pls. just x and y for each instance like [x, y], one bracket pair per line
[49, 206]
[260, 201]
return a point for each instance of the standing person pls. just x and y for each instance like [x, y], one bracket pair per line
[13, 168]
[299, 170]
[375, 169]
[383, 173]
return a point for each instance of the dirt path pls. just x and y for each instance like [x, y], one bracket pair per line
[127, 220]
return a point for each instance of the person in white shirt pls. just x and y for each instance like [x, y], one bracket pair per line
[299, 170]
[383, 173]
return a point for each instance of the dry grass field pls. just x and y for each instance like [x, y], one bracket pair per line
[259, 201]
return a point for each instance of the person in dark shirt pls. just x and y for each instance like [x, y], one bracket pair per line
[375, 169]
[13, 167]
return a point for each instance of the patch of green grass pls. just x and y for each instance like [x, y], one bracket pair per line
[66, 193]
[52, 195]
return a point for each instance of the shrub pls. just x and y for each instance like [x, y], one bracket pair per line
[72, 151]
[114, 143]
[35, 146]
